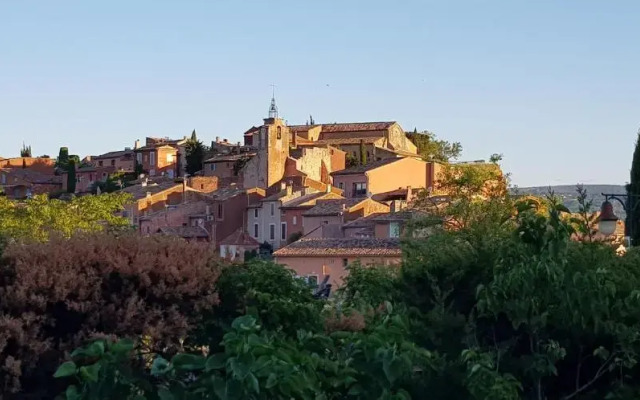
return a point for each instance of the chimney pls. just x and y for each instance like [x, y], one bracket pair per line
[328, 188]
[289, 188]
[145, 182]
[184, 190]
[409, 194]
[217, 139]
[283, 185]
[136, 145]
[148, 195]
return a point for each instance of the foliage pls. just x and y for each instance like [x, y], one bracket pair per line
[62, 162]
[363, 153]
[265, 251]
[633, 190]
[239, 164]
[430, 148]
[114, 182]
[40, 217]
[294, 237]
[350, 161]
[25, 151]
[71, 176]
[195, 154]
[58, 294]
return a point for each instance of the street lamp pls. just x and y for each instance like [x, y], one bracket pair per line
[607, 220]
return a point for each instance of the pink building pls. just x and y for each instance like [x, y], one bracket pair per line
[317, 258]
[123, 160]
[328, 216]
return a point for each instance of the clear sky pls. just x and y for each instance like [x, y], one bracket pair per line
[553, 85]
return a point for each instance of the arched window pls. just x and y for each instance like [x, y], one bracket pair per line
[279, 130]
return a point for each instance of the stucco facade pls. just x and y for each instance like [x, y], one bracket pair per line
[158, 160]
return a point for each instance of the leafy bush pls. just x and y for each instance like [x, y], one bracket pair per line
[58, 294]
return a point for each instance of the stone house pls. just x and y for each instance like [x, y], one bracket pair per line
[327, 217]
[264, 218]
[235, 245]
[227, 167]
[22, 183]
[158, 160]
[376, 137]
[315, 258]
[383, 176]
[293, 210]
[121, 161]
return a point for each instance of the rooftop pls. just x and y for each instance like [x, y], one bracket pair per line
[331, 207]
[360, 169]
[226, 193]
[398, 194]
[113, 154]
[352, 140]
[357, 126]
[140, 192]
[309, 200]
[229, 157]
[187, 232]
[29, 176]
[362, 222]
[342, 247]
[240, 238]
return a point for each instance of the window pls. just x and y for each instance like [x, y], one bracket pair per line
[283, 231]
[255, 231]
[4, 179]
[113, 163]
[273, 209]
[219, 210]
[394, 230]
[255, 213]
[152, 158]
[359, 189]
[212, 167]
[295, 220]
[345, 262]
[100, 163]
[148, 229]
[279, 132]
[272, 231]
[341, 185]
[170, 158]
[139, 158]
[312, 280]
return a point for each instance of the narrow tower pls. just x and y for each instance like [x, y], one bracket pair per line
[273, 109]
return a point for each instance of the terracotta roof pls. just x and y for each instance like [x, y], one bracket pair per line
[187, 232]
[240, 238]
[309, 200]
[404, 215]
[113, 154]
[301, 128]
[226, 193]
[342, 247]
[30, 176]
[155, 146]
[229, 157]
[398, 152]
[332, 207]
[357, 126]
[252, 130]
[398, 194]
[360, 169]
[352, 140]
[362, 222]
[140, 192]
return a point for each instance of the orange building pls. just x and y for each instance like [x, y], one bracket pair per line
[158, 160]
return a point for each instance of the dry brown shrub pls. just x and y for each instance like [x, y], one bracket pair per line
[351, 321]
[58, 294]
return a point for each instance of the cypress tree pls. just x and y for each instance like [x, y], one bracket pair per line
[363, 153]
[633, 190]
[63, 158]
[194, 137]
[71, 176]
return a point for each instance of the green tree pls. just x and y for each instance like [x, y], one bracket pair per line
[25, 151]
[71, 176]
[633, 190]
[63, 158]
[430, 148]
[363, 153]
[195, 154]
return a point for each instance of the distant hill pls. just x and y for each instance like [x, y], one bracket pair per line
[569, 195]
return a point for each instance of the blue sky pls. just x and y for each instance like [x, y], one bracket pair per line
[553, 85]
